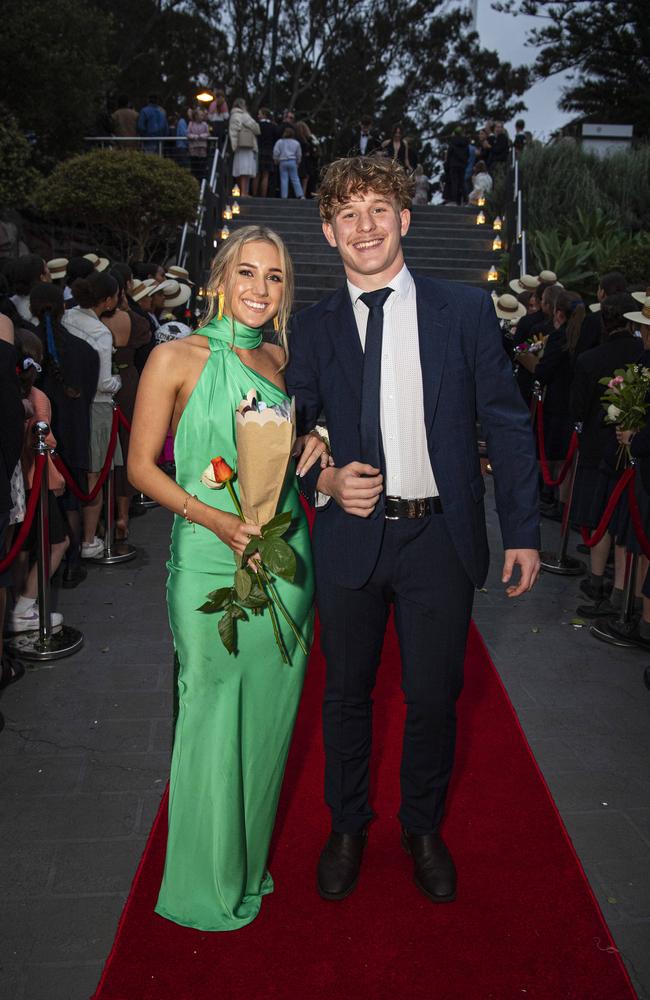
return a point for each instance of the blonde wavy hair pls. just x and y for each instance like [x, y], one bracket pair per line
[222, 275]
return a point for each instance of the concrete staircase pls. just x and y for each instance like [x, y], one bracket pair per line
[443, 242]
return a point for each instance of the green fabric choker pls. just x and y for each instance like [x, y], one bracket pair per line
[231, 331]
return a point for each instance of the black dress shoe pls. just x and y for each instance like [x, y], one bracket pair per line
[340, 863]
[434, 871]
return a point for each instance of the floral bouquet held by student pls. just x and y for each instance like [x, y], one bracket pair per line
[265, 440]
[625, 402]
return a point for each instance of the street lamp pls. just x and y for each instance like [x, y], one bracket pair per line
[205, 97]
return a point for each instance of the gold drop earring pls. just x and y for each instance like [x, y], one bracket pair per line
[276, 323]
[221, 299]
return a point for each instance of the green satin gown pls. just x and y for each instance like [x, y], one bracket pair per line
[236, 713]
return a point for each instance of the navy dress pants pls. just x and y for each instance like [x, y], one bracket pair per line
[420, 574]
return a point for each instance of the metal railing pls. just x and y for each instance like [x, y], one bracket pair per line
[516, 231]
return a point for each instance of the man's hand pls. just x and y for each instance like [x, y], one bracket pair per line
[355, 487]
[529, 565]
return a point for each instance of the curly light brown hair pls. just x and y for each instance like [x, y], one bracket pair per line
[354, 175]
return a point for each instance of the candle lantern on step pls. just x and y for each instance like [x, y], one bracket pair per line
[493, 274]
[497, 224]
[496, 243]
[481, 201]
[235, 191]
[225, 233]
[235, 208]
[227, 212]
[480, 219]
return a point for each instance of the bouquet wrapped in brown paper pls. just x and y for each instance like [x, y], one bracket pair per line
[265, 439]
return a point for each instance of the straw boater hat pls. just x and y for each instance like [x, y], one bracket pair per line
[594, 307]
[141, 289]
[641, 296]
[527, 283]
[57, 267]
[549, 278]
[643, 316]
[177, 295]
[507, 307]
[179, 274]
[99, 263]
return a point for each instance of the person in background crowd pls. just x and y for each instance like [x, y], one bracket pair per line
[28, 271]
[69, 380]
[639, 443]
[125, 122]
[397, 148]
[78, 267]
[182, 153]
[592, 333]
[472, 153]
[58, 267]
[365, 140]
[500, 147]
[124, 275]
[198, 133]
[519, 140]
[456, 162]
[25, 614]
[421, 193]
[243, 131]
[288, 117]
[287, 154]
[11, 442]
[129, 333]
[176, 317]
[218, 114]
[152, 124]
[553, 372]
[481, 183]
[484, 147]
[597, 473]
[308, 167]
[97, 296]
[180, 274]
[269, 134]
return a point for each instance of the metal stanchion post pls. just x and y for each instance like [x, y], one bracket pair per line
[114, 551]
[615, 630]
[562, 564]
[44, 644]
[146, 503]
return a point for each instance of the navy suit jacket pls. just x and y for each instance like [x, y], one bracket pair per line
[466, 375]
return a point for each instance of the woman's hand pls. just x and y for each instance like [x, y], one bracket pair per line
[234, 532]
[309, 449]
[623, 437]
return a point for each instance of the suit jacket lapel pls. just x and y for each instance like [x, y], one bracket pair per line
[343, 330]
[433, 334]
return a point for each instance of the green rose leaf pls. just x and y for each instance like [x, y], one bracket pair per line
[243, 584]
[256, 599]
[279, 557]
[252, 547]
[227, 630]
[238, 614]
[277, 525]
[221, 597]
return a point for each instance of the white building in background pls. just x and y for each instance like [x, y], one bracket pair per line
[605, 139]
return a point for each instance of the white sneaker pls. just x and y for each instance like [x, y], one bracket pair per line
[28, 620]
[90, 550]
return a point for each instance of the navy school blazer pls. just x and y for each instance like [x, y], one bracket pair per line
[466, 376]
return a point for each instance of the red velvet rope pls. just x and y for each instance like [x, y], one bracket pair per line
[32, 504]
[122, 419]
[106, 468]
[595, 537]
[546, 472]
[637, 523]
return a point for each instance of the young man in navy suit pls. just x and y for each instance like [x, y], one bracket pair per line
[402, 368]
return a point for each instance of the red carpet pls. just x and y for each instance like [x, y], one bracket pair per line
[524, 926]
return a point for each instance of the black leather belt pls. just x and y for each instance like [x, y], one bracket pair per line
[396, 507]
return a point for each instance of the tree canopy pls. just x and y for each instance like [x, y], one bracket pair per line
[331, 60]
[605, 46]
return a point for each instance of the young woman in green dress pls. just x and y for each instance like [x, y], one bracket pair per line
[236, 712]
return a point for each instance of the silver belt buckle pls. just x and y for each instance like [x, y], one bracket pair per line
[393, 517]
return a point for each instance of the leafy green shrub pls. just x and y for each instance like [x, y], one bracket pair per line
[140, 198]
[572, 262]
[17, 175]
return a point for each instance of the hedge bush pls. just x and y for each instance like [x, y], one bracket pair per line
[139, 198]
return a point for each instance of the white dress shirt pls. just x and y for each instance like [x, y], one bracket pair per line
[85, 324]
[403, 430]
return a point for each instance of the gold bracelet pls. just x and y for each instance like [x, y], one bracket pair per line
[189, 520]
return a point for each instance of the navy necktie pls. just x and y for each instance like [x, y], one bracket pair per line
[369, 421]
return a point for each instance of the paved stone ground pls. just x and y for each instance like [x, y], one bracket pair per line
[85, 750]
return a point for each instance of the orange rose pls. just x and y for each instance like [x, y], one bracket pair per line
[222, 471]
